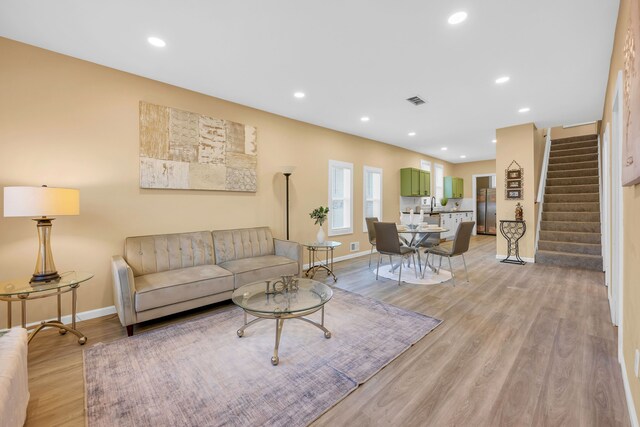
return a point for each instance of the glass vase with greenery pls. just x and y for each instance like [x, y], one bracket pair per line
[319, 214]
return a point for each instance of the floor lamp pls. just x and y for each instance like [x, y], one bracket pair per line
[287, 171]
[41, 203]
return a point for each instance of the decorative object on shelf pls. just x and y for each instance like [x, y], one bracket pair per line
[631, 97]
[43, 202]
[456, 206]
[444, 201]
[189, 151]
[287, 171]
[286, 284]
[519, 213]
[320, 216]
[514, 182]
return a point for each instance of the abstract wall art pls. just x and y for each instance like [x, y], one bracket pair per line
[631, 94]
[190, 151]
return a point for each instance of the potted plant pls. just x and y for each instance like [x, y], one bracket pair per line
[320, 215]
[444, 201]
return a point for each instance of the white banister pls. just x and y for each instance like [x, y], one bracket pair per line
[542, 184]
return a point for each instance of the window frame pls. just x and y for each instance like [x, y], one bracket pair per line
[344, 230]
[441, 186]
[370, 169]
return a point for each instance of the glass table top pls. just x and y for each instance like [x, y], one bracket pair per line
[22, 285]
[309, 295]
[325, 244]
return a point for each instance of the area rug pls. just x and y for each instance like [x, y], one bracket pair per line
[408, 275]
[199, 373]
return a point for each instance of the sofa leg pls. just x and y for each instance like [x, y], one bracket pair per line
[129, 330]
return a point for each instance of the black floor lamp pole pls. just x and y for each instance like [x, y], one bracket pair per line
[287, 175]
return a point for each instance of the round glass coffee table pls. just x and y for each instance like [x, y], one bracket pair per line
[280, 299]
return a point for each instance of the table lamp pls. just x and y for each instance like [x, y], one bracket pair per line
[43, 203]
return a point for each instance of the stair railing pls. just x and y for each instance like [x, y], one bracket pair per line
[542, 184]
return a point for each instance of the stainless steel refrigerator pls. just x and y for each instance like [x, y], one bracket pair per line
[486, 199]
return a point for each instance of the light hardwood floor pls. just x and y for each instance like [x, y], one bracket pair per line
[519, 346]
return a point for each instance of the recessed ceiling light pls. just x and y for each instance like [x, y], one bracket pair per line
[412, 134]
[444, 148]
[463, 157]
[524, 110]
[457, 18]
[502, 79]
[299, 94]
[494, 141]
[364, 119]
[155, 41]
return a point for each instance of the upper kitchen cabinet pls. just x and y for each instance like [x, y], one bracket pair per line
[453, 187]
[414, 182]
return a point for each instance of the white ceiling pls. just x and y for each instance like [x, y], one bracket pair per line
[354, 58]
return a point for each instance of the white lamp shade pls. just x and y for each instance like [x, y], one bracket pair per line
[41, 201]
[287, 169]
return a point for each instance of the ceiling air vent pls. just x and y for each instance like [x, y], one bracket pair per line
[416, 100]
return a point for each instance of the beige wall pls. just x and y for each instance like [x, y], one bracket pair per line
[467, 170]
[631, 226]
[560, 132]
[519, 143]
[71, 123]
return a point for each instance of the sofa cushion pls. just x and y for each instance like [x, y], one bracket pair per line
[242, 243]
[248, 270]
[174, 286]
[164, 252]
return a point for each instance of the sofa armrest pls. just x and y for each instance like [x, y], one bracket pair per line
[123, 290]
[289, 249]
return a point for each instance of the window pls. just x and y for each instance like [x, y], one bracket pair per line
[439, 179]
[425, 165]
[372, 194]
[340, 198]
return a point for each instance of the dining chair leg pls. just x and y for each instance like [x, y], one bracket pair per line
[393, 267]
[370, 255]
[465, 268]
[413, 256]
[440, 265]
[378, 269]
[400, 274]
[453, 277]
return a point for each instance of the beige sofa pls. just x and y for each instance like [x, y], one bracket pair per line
[168, 273]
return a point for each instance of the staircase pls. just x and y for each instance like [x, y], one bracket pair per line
[570, 226]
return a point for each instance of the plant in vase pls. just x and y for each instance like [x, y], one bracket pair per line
[320, 215]
[444, 201]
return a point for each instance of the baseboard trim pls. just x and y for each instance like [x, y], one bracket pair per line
[633, 415]
[85, 315]
[531, 260]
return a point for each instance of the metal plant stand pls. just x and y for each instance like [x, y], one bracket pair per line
[513, 230]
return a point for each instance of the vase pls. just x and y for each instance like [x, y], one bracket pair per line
[320, 235]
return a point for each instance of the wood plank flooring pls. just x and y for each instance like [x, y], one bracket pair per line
[519, 346]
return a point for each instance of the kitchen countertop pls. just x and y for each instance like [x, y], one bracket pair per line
[439, 212]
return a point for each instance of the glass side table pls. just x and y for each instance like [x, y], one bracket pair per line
[316, 263]
[20, 290]
[513, 230]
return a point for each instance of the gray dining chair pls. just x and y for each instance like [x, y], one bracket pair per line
[388, 243]
[459, 246]
[371, 230]
[433, 239]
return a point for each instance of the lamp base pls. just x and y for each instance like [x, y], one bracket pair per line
[44, 278]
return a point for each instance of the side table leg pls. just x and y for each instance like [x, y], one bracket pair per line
[275, 359]
[9, 315]
[60, 331]
[23, 309]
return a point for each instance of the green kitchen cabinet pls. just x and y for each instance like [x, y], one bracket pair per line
[414, 182]
[453, 187]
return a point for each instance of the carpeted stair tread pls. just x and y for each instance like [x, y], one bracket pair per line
[577, 158]
[592, 137]
[587, 262]
[572, 189]
[577, 207]
[571, 226]
[592, 164]
[571, 216]
[574, 152]
[573, 145]
[570, 236]
[572, 198]
[574, 180]
[570, 247]
[572, 173]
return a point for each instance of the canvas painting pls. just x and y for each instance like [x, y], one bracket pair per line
[190, 151]
[631, 94]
